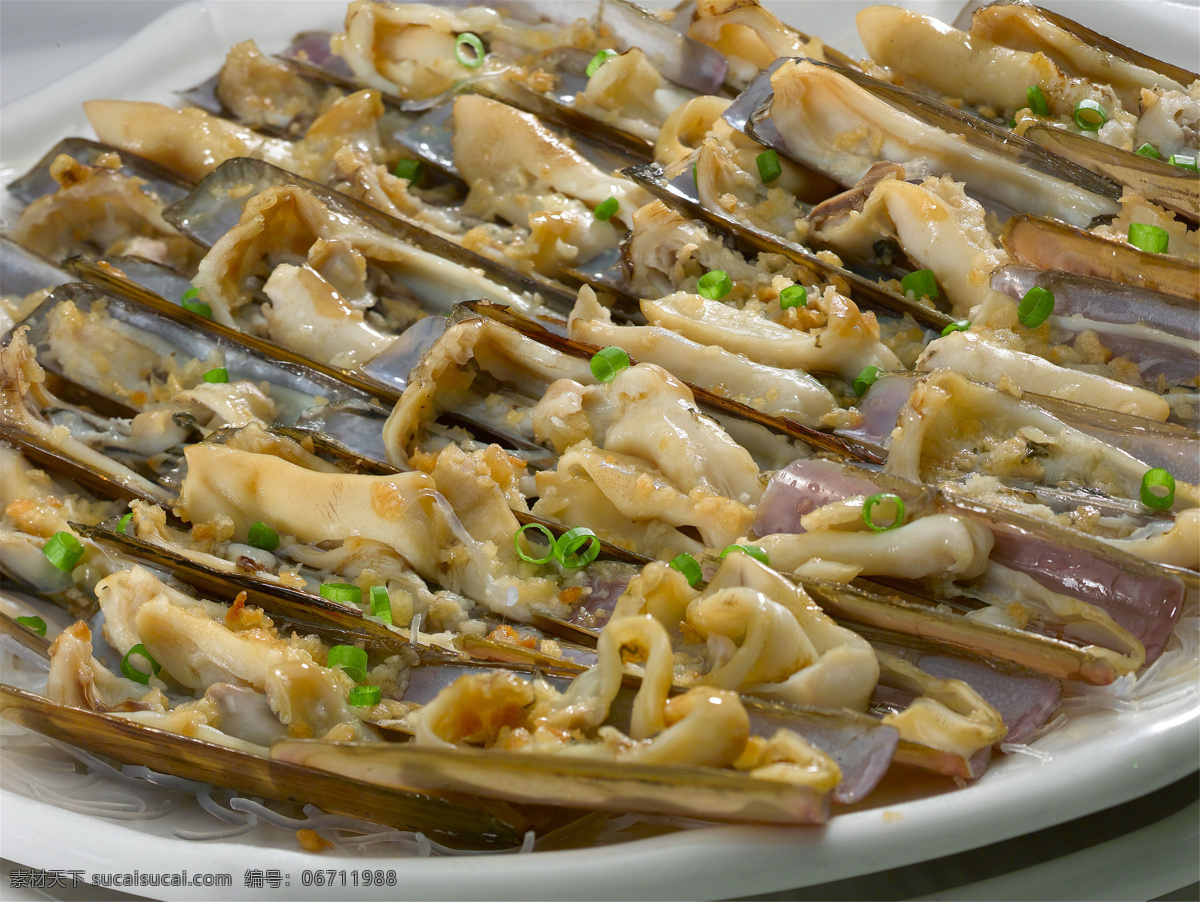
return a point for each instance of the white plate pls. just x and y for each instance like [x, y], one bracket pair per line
[1096, 761]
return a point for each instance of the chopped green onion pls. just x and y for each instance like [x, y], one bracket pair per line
[1149, 238]
[139, 676]
[753, 550]
[351, 659]
[686, 564]
[768, 166]
[63, 550]
[190, 295]
[608, 363]
[1152, 482]
[264, 537]
[365, 696]
[34, 624]
[793, 296]
[577, 547]
[873, 500]
[465, 40]
[1148, 150]
[408, 169]
[217, 374]
[549, 556]
[1037, 100]
[1183, 161]
[865, 380]
[714, 285]
[1035, 308]
[920, 284]
[599, 60]
[123, 523]
[199, 308]
[1012, 123]
[1089, 115]
[606, 208]
[381, 603]
[961, 325]
[342, 593]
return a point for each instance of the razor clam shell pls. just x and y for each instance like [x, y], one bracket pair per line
[37, 182]
[216, 205]
[450, 821]
[985, 137]
[852, 605]
[54, 461]
[293, 389]
[1024, 699]
[1050, 244]
[708, 399]
[1144, 598]
[705, 793]
[681, 194]
[342, 383]
[310, 611]
[1101, 299]
[23, 272]
[1086, 36]
[1155, 180]
[35, 647]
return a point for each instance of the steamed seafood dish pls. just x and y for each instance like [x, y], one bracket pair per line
[473, 415]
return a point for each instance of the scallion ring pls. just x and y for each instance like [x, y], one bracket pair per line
[687, 565]
[1089, 115]
[1149, 238]
[123, 524]
[793, 296]
[63, 550]
[606, 364]
[188, 302]
[461, 43]
[381, 603]
[920, 284]
[768, 166]
[883, 498]
[1149, 150]
[1035, 308]
[865, 379]
[714, 285]
[606, 209]
[262, 536]
[753, 550]
[1037, 100]
[599, 60]
[961, 325]
[408, 169]
[131, 672]
[365, 696]
[33, 624]
[341, 593]
[577, 548]
[351, 658]
[1183, 161]
[217, 374]
[1158, 489]
[548, 557]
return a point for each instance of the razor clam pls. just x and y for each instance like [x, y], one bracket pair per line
[681, 192]
[38, 181]
[1047, 244]
[25, 277]
[261, 92]
[751, 38]
[1159, 181]
[453, 822]
[100, 210]
[1139, 322]
[809, 105]
[1076, 48]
